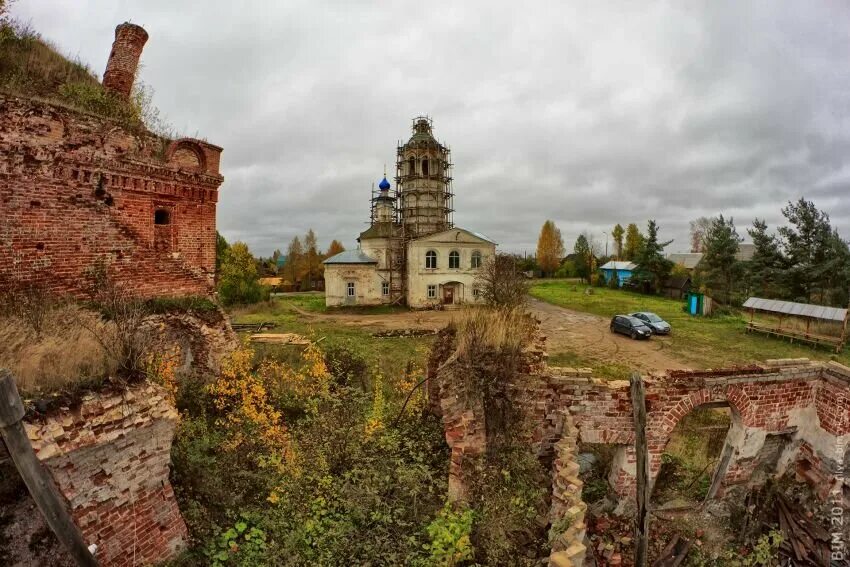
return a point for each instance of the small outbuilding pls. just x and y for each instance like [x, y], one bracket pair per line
[814, 324]
[621, 270]
[677, 287]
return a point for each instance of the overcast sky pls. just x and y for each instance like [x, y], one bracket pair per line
[583, 113]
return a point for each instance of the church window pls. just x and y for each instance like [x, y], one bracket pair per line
[476, 259]
[430, 260]
[385, 288]
[424, 167]
[454, 259]
[411, 166]
[350, 289]
[432, 291]
[476, 292]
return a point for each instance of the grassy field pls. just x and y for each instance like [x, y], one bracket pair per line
[708, 342]
[390, 355]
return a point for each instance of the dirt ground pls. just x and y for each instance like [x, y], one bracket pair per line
[567, 331]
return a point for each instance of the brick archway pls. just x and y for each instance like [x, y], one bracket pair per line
[660, 429]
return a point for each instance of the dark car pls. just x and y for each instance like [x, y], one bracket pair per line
[632, 326]
[658, 325]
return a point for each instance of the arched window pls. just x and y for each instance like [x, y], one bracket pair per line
[454, 259]
[424, 167]
[476, 259]
[431, 260]
[411, 166]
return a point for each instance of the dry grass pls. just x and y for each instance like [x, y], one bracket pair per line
[65, 355]
[495, 330]
[32, 65]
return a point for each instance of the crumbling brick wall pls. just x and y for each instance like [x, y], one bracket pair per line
[77, 189]
[109, 457]
[806, 402]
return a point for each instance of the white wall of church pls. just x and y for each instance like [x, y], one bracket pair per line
[461, 279]
[366, 280]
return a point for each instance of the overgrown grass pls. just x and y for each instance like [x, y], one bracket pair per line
[31, 66]
[388, 356]
[65, 355]
[708, 342]
[692, 455]
[604, 370]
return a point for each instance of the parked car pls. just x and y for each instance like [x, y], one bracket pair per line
[632, 326]
[658, 325]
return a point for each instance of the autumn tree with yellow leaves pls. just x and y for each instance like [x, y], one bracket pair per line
[550, 248]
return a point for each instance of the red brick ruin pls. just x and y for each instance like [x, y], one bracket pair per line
[787, 415]
[77, 189]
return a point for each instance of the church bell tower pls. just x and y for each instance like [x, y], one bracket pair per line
[424, 182]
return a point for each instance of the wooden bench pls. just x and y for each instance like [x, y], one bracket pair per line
[835, 342]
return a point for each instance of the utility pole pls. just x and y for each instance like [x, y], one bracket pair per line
[642, 456]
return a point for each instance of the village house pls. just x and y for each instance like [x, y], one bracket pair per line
[412, 253]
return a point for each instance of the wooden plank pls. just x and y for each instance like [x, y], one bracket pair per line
[38, 480]
[642, 515]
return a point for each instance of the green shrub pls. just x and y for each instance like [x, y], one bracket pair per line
[450, 538]
[242, 545]
[347, 364]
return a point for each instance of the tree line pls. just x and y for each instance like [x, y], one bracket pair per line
[806, 260]
[239, 271]
[629, 244]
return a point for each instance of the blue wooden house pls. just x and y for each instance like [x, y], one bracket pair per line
[622, 270]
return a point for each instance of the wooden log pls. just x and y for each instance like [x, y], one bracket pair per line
[642, 515]
[35, 476]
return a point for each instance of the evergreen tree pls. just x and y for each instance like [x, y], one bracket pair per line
[550, 248]
[617, 234]
[584, 257]
[765, 269]
[835, 272]
[808, 246]
[634, 243]
[653, 267]
[720, 266]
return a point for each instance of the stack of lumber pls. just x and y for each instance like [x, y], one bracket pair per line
[803, 542]
[280, 339]
[674, 553]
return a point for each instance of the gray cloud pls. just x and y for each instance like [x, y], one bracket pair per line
[586, 114]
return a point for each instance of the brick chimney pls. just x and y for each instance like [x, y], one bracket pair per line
[127, 48]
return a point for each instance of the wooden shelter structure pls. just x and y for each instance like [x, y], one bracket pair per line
[814, 324]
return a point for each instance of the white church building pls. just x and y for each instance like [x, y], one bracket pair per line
[412, 253]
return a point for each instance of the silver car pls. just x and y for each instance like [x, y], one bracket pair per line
[658, 325]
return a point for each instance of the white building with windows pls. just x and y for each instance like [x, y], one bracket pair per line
[412, 253]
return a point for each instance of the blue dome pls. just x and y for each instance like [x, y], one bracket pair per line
[384, 184]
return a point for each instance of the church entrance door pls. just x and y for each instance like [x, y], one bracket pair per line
[448, 294]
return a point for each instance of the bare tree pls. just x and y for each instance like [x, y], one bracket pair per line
[500, 282]
[123, 334]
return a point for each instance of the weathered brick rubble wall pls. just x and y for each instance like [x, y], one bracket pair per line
[109, 457]
[807, 402]
[547, 430]
[76, 189]
[804, 404]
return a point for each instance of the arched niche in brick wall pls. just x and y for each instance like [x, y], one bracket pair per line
[186, 154]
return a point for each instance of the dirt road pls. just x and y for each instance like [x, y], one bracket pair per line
[590, 337]
[568, 331]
